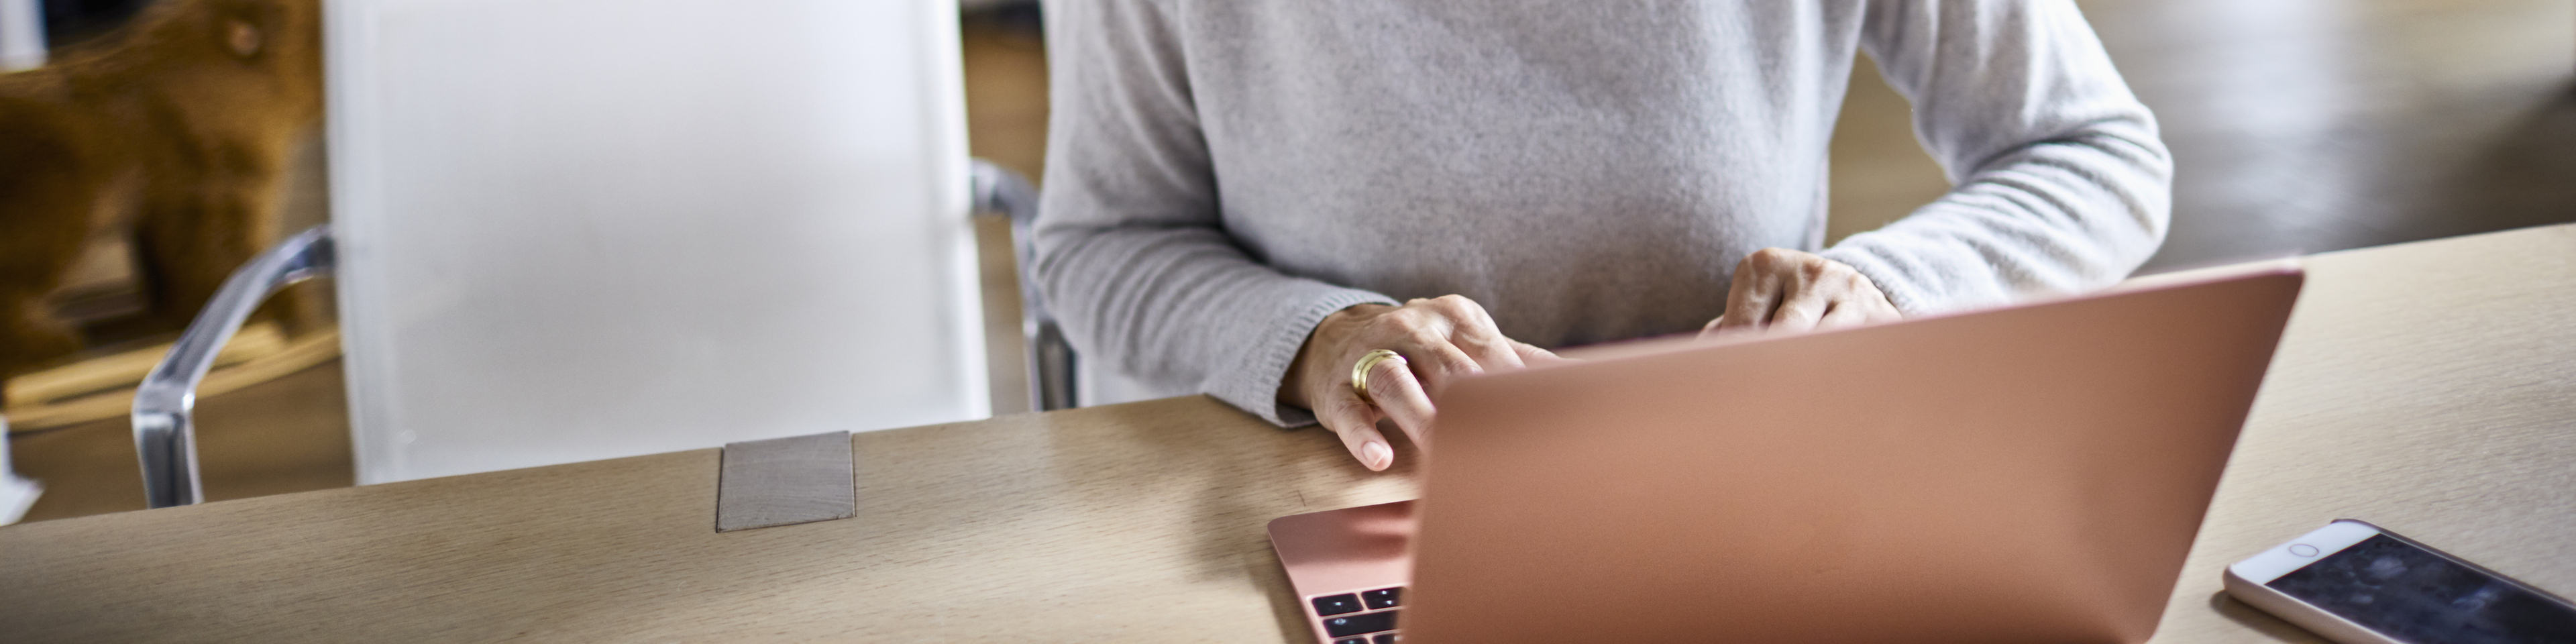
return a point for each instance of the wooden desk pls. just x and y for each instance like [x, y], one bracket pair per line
[2429, 387]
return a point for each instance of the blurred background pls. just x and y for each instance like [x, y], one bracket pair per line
[2298, 126]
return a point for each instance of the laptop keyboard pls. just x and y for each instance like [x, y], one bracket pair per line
[1360, 618]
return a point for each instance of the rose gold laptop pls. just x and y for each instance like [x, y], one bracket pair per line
[2028, 474]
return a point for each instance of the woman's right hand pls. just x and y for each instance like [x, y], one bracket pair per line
[1440, 339]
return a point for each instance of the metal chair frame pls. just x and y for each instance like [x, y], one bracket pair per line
[164, 422]
[165, 431]
[1050, 358]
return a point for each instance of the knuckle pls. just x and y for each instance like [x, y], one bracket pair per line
[1455, 361]
[1342, 402]
[1424, 337]
[1421, 317]
[1399, 323]
[1815, 271]
[1772, 258]
[1385, 371]
[1346, 417]
[1427, 382]
[1387, 389]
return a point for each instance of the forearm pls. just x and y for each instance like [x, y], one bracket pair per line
[2062, 184]
[2058, 217]
[1132, 252]
[1183, 310]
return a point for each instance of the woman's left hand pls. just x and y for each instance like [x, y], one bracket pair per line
[1777, 289]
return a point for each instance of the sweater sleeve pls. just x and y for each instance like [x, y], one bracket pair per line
[2060, 182]
[1131, 245]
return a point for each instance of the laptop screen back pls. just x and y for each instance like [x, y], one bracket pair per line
[2033, 474]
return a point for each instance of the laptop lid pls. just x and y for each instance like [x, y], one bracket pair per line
[2030, 474]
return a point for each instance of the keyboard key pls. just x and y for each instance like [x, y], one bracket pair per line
[1381, 598]
[1337, 604]
[1386, 638]
[1355, 640]
[1360, 624]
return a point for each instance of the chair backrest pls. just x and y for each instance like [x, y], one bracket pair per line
[22, 35]
[581, 229]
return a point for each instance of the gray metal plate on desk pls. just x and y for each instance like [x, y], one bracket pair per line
[783, 481]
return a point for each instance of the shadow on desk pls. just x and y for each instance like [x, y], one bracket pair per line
[2254, 618]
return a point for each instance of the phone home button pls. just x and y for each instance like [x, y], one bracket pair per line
[2303, 550]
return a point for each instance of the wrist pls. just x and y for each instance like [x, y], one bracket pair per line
[1328, 333]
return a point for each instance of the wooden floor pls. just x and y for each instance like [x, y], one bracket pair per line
[2297, 126]
[2302, 126]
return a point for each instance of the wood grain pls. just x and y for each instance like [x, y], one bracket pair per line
[2425, 387]
[1138, 522]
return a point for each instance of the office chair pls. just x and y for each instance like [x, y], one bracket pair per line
[165, 430]
[559, 242]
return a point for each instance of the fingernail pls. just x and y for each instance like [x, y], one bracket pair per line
[1377, 454]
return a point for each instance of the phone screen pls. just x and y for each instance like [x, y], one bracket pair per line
[2402, 591]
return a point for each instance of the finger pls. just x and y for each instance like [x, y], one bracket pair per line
[1472, 329]
[1886, 313]
[1440, 362]
[1397, 394]
[1756, 291]
[1532, 355]
[1356, 423]
[1880, 308]
[1487, 346]
[1800, 310]
[1847, 313]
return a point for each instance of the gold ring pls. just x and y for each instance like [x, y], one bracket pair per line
[1360, 371]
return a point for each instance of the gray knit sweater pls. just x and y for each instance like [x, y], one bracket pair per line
[1222, 174]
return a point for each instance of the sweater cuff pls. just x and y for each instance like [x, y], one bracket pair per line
[1252, 383]
[1905, 294]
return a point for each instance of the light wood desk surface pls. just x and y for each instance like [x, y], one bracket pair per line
[2428, 387]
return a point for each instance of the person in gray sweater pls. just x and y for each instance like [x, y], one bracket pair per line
[1248, 197]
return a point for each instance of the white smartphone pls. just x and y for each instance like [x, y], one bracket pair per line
[2355, 583]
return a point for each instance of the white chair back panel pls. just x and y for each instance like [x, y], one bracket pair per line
[583, 229]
